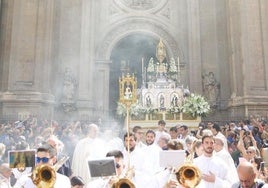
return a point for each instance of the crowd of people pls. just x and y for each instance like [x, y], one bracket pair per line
[225, 155]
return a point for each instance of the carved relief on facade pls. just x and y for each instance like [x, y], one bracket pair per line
[25, 71]
[113, 10]
[166, 13]
[140, 4]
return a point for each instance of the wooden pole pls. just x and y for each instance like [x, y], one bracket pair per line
[128, 146]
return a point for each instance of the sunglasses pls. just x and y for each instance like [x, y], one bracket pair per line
[43, 159]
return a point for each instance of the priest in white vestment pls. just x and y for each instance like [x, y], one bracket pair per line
[88, 148]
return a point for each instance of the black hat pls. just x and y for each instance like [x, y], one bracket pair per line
[77, 180]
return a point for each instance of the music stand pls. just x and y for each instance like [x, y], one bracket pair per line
[102, 167]
[171, 158]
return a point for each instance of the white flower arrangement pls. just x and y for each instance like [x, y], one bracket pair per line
[175, 109]
[121, 109]
[195, 105]
[150, 110]
[135, 109]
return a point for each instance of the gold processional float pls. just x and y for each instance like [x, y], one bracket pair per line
[187, 175]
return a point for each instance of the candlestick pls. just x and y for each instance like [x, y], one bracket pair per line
[178, 68]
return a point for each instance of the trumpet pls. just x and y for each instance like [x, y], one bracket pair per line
[44, 176]
[188, 175]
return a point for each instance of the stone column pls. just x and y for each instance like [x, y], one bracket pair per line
[102, 87]
[87, 61]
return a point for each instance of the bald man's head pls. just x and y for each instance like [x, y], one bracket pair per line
[93, 130]
[245, 167]
[246, 174]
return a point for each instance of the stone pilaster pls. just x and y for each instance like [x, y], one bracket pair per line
[27, 57]
[194, 46]
[248, 65]
[102, 87]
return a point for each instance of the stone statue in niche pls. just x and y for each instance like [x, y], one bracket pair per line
[174, 101]
[69, 86]
[211, 88]
[162, 102]
[148, 101]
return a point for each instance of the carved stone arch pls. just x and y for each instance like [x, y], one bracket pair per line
[124, 29]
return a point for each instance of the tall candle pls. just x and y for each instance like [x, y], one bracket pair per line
[142, 64]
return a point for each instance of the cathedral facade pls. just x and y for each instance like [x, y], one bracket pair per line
[62, 59]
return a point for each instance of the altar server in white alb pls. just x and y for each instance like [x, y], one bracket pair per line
[160, 131]
[214, 171]
[151, 154]
[222, 153]
[134, 161]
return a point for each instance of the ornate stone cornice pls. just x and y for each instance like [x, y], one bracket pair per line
[140, 5]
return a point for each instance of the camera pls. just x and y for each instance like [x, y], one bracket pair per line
[247, 133]
[262, 165]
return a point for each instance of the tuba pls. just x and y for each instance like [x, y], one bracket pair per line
[188, 175]
[123, 183]
[44, 176]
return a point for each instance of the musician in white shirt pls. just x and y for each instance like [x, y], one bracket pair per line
[46, 155]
